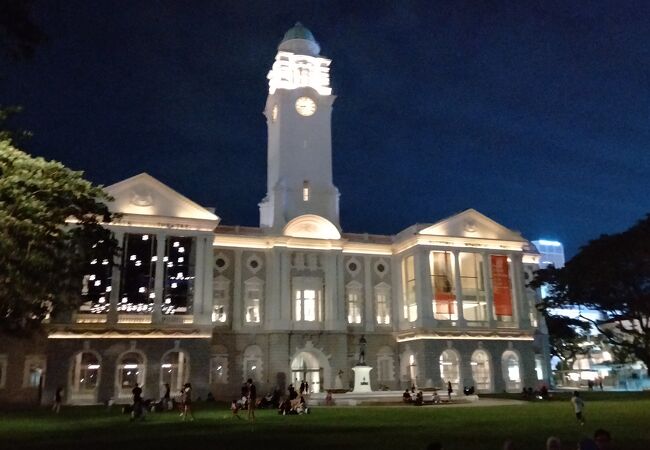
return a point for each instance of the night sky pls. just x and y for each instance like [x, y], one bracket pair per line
[535, 114]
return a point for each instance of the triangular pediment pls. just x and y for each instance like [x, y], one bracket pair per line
[145, 196]
[471, 224]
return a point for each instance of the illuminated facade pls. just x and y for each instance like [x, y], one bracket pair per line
[191, 300]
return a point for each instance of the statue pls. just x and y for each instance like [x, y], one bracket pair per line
[362, 351]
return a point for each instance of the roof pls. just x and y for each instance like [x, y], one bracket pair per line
[299, 31]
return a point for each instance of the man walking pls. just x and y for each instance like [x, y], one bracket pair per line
[252, 396]
[578, 407]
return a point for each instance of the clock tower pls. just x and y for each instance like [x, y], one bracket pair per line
[298, 113]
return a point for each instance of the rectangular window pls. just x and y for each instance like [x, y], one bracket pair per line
[382, 301]
[501, 289]
[138, 274]
[220, 300]
[307, 295]
[410, 303]
[179, 275]
[472, 281]
[34, 370]
[96, 284]
[442, 285]
[354, 305]
[305, 191]
[253, 295]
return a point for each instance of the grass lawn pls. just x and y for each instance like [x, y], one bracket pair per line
[626, 416]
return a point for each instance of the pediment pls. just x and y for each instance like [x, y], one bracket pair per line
[146, 196]
[471, 224]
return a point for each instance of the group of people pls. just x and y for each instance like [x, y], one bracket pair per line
[529, 394]
[417, 398]
[138, 409]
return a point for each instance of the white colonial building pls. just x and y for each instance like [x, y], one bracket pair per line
[191, 300]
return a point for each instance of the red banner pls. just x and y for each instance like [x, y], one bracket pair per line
[501, 285]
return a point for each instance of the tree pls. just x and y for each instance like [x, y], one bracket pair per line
[567, 337]
[610, 274]
[50, 229]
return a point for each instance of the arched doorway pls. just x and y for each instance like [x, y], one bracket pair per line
[481, 371]
[450, 368]
[306, 367]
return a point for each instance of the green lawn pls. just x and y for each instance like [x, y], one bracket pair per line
[627, 416]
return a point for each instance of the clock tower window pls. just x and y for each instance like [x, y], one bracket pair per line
[305, 191]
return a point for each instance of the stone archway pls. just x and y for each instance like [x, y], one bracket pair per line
[311, 365]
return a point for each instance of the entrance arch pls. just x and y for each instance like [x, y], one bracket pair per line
[311, 365]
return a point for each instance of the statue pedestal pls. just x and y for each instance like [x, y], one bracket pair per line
[362, 379]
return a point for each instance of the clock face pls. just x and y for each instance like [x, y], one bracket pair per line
[274, 113]
[305, 106]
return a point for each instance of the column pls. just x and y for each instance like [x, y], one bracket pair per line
[487, 265]
[339, 296]
[369, 307]
[331, 294]
[521, 304]
[158, 287]
[237, 292]
[116, 277]
[459, 289]
[286, 296]
[208, 283]
[271, 306]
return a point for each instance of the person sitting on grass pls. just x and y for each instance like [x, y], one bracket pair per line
[406, 397]
[419, 399]
[435, 397]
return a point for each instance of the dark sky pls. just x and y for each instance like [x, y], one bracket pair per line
[535, 113]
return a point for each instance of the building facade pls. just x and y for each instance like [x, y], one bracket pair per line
[190, 300]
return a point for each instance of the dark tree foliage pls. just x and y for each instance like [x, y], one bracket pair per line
[610, 274]
[50, 228]
[566, 336]
[19, 35]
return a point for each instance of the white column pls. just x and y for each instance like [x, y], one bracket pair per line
[341, 311]
[158, 286]
[513, 289]
[369, 309]
[286, 296]
[423, 288]
[518, 286]
[271, 307]
[487, 270]
[459, 289]
[331, 291]
[208, 283]
[116, 278]
[237, 301]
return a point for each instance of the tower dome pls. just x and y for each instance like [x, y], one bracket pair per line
[299, 31]
[299, 40]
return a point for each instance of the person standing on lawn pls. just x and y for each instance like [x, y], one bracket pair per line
[187, 402]
[578, 407]
[252, 397]
[58, 399]
[449, 390]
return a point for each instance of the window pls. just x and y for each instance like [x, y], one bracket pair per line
[138, 274]
[472, 282]
[130, 371]
[221, 299]
[442, 285]
[307, 295]
[85, 375]
[382, 303]
[252, 298]
[305, 191]
[501, 289]
[511, 375]
[450, 368]
[34, 370]
[3, 370]
[539, 367]
[174, 370]
[178, 264]
[355, 303]
[96, 284]
[408, 274]
[219, 369]
[481, 370]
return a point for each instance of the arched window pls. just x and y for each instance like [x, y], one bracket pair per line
[450, 368]
[86, 370]
[253, 363]
[174, 370]
[511, 371]
[481, 370]
[130, 370]
[382, 303]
